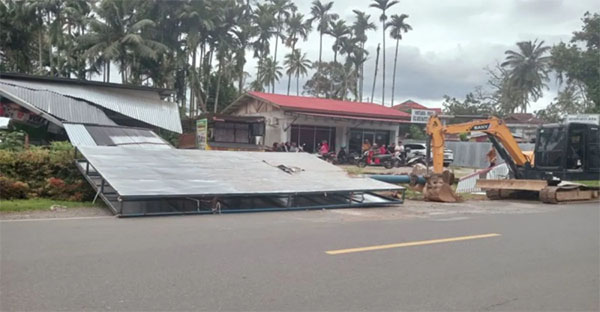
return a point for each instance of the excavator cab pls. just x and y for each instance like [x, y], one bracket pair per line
[569, 151]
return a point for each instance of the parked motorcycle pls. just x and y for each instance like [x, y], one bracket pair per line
[385, 160]
[329, 157]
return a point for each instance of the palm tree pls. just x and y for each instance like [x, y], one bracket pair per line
[264, 21]
[296, 28]
[338, 30]
[297, 64]
[320, 13]
[360, 26]
[282, 9]
[528, 70]
[383, 5]
[268, 72]
[398, 26]
[113, 39]
[196, 22]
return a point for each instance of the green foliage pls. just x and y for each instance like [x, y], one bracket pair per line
[42, 204]
[570, 100]
[582, 65]
[416, 132]
[61, 146]
[227, 94]
[46, 172]
[12, 140]
[169, 136]
[475, 104]
[332, 80]
[464, 137]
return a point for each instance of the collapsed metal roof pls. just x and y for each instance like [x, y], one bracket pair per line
[144, 181]
[96, 135]
[62, 107]
[143, 105]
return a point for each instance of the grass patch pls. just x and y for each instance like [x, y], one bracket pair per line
[590, 182]
[42, 204]
[353, 170]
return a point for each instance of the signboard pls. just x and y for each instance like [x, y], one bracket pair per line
[584, 118]
[420, 115]
[201, 133]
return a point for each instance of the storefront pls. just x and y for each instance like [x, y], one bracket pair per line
[221, 132]
[308, 121]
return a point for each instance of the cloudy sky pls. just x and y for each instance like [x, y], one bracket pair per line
[451, 42]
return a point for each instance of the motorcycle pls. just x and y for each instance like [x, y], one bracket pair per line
[385, 160]
[329, 157]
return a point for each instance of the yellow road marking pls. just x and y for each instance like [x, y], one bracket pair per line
[410, 244]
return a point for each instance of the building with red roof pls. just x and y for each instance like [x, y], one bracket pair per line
[409, 105]
[308, 121]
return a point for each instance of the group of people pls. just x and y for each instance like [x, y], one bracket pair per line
[322, 148]
[374, 149]
[286, 147]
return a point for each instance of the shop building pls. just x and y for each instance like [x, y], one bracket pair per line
[307, 121]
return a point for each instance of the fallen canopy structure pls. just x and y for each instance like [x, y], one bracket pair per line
[135, 181]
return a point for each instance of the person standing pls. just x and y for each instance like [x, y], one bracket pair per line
[491, 157]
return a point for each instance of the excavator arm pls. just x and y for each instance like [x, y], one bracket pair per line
[494, 127]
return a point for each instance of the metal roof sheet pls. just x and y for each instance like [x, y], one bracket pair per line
[142, 105]
[78, 135]
[142, 173]
[94, 135]
[62, 107]
[321, 105]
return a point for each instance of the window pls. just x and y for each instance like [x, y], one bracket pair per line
[309, 137]
[358, 136]
[594, 148]
[231, 132]
[550, 148]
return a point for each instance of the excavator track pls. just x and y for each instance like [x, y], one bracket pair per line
[567, 193]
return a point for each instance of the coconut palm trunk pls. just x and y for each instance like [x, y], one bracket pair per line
[383, 86]
[297, 83]
[192, 96]
[375, 75]
[40, 37]
[320, 48]
[289, 83]
[218, 86]
[394, 76]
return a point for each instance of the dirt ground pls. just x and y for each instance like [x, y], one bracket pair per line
[458, 171]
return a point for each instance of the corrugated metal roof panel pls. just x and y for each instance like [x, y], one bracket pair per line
[61, 107]
[144, 173]
[78, 135]
[142, 105]
[93, 135]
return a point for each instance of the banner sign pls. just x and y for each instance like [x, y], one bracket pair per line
[201, 133]
[584, 118]
[420, 115]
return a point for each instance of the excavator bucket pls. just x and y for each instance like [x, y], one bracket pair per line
[437, 188]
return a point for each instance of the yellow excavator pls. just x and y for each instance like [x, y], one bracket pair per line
[562, 152]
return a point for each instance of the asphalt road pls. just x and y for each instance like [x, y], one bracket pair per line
[547, 260]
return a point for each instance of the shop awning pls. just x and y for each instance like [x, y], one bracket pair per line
[352, 117]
